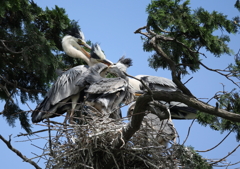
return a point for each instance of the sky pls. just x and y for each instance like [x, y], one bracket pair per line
[112, 24]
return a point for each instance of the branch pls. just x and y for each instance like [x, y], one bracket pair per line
[139, 31]
[188, 132]
[226, 156]
[18, 152]
[217, 144]
[10, 49]
[172, 66]
[142, 106]
[218, 71]
[21, 88]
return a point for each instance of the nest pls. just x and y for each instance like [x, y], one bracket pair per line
[90, 144]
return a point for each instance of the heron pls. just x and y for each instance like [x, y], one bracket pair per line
[64, 89]
[178, 110]
[106, 94]
[154, 129]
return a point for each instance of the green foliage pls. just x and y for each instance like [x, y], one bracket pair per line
[237, 5]
[234, 68]
[189, 159]
[30, 51]
[12, 112]
[187, 31]
[230, 102]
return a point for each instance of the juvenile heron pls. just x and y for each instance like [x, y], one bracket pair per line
[107, 94]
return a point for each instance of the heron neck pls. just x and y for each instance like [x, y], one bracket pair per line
[72, 49]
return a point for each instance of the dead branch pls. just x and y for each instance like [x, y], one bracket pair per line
[27, 134]
[218, 143]
[8, 143]
[22, 88]
[219, 72]
[226, 155]
[9, 50]
[188, 132]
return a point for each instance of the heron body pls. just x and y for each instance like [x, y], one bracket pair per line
[64, 90]
[106, 94]
[155, 129]
[178, 110]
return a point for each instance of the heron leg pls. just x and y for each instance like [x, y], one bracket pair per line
[74, 104]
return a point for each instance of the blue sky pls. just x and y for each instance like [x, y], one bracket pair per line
[112, 23]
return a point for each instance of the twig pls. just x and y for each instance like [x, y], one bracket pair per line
[217, 144]
[8, 143]
[26, 134]
[187, 81]
[21, 88]
[188, 132]
[226, 155]
[218, 71]
[10, 49]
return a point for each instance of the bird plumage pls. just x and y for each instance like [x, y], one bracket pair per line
[178, 110]
[106, 94]
[64, 89]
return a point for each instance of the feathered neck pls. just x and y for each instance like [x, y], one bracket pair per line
[71, 47]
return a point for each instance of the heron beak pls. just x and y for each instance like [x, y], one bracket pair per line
[81, 42]
[138, 93]
[85, 53]
[107, 62]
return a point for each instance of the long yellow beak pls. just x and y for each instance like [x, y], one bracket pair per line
[138, 94]
[81, 42]
[107, 62]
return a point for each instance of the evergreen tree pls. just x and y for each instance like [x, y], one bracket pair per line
[181, 33]
[30, 52]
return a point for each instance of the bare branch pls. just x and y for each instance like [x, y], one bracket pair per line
[188, 132]
[10, 49]
[172, 66]
[27, 134]
[217, 144]
[21, 88]
[218, 71]
[8, 143]
[226, 155]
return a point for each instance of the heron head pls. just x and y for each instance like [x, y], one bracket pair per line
[98, 56]
[120, 68]
[78, 35]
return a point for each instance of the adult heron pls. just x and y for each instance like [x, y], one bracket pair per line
[178, 110]
[64, 89]
[107, 94]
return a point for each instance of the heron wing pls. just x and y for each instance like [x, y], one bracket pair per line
[107, 85]
[65, 86]
[159, 83]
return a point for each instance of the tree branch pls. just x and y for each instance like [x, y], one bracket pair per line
[21, 88]
[9, 50]
[218, 71]
[142, 106]
[19, 153]
[172, 66]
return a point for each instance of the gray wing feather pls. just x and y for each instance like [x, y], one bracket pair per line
[65, 86]
[107, 85]
[157, 81]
